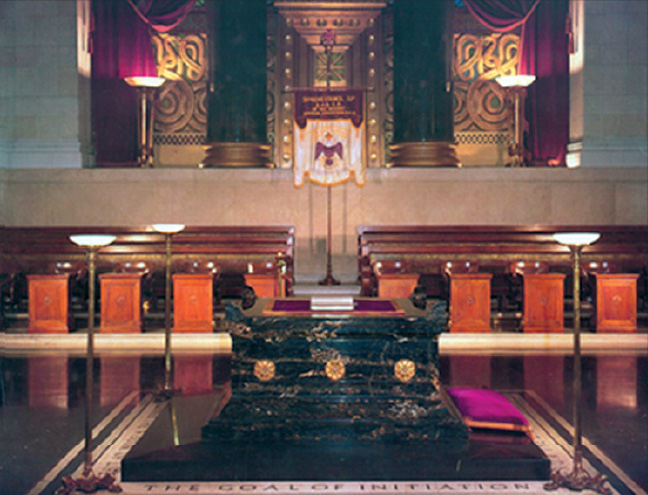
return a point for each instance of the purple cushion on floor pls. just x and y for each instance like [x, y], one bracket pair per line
[482, 408]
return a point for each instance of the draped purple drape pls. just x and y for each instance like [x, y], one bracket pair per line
[548, 100]
[503, 16]
[122, 48]
[543, 52]
[162, 15]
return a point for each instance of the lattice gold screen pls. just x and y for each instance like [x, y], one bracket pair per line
[481, 116]
[181, 114]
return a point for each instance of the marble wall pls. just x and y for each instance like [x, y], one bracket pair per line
[615, 83]
[44, 83]
[478, 196]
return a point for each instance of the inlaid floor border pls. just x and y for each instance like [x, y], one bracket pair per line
[110, 452]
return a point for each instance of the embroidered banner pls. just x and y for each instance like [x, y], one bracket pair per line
[329, 136]
[331, 104]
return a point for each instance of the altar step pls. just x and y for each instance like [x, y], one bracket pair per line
[302, 289]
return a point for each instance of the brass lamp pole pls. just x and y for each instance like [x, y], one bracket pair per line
[328, 41]
[168, 229]
[578, 479]
[91, 243]
[516, 88]
[146, 87]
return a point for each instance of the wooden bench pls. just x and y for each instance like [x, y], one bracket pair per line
[34, 250]
[426, 249]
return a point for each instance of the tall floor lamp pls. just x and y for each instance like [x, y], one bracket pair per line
[146, 87]
[516, 89]
[168, 229]
[578, 479]
[91, 243]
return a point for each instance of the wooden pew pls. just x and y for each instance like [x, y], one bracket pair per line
[33, 250]
[427, 248]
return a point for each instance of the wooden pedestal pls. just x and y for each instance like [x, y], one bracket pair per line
[616, 302]
[264, 284]
[121, 310]
[470, 302]
[193, 302]
[394, 285]
[543, 303]
[49, 303]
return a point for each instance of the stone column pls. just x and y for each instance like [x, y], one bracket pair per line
[423, 101]
[45, 85]
[236, 115]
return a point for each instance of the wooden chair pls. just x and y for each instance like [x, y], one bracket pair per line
[517, 270]
[263, 278]
[469, 296]
[206, 267]
[78, 281]
[393, 279]
[540, 294]
[146, 270]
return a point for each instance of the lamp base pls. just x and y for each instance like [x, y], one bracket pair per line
[89, 483]
[578, 480]
[329, 280]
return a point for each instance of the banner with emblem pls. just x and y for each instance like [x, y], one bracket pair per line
[329, 136]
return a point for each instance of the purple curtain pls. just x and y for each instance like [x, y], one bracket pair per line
[162, 15]
[121, 47]
[543, 53]
[548, 98]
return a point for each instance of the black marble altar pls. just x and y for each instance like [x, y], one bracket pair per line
[300, 403]
[293, 416]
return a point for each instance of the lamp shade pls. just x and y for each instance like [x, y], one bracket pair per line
[576, 238]
[92, 240]
[145, 81]
[168, 228]
[516, 80]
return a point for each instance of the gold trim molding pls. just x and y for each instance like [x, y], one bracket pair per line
[424, 154]
[235, 155]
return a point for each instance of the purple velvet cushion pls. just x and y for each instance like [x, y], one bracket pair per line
[482, 408]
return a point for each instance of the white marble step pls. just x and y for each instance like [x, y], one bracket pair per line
[314, 289]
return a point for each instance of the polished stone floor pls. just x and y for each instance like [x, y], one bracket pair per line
[42, 402]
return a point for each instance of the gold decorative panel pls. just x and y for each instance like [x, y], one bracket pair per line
[480, 102]
[182, 60]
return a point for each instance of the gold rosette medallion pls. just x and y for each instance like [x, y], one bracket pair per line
[405, 370]
[264, 370]
[335, 370]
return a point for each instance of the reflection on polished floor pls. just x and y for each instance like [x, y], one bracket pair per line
[42, 403]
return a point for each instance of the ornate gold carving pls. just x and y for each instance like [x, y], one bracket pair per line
[182, 102]
[479, 102]
[335, 370]
[405, 370]
[264, 370]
